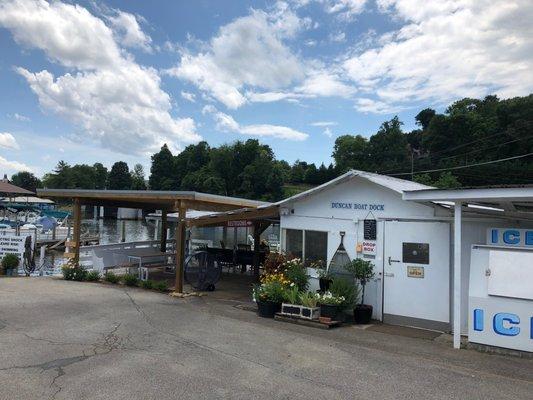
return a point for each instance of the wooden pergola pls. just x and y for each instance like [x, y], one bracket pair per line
[166, 201]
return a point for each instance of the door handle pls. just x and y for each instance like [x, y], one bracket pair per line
[389, 275]
[391, 260]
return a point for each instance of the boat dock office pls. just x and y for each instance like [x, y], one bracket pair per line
[456, 261]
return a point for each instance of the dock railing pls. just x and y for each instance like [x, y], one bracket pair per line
[98, 257]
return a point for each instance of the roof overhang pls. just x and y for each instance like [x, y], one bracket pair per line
[514, 202]
[151, 199]
[270, 212]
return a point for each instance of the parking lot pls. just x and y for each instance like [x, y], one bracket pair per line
[70, 340]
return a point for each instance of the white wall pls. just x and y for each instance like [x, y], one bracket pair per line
[316, 213]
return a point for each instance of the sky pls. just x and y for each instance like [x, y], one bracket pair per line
[93, 81]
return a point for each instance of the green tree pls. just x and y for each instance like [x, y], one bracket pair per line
[162, 171]
[351, 152]
[100, 176]
[119, 176]
[26, 180]
[137, 178]
[424, 117]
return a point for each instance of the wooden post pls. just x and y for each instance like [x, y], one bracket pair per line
[123, 231]
[163, 230]
[180, 248]
[257, 246]
[77, 229]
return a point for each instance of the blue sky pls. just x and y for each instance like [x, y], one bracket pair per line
[96, 81]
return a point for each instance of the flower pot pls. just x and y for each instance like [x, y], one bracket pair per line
[330, 311]
[324, 284]
[267, 309]
[362, 314]
[310, 312]
[292, 310]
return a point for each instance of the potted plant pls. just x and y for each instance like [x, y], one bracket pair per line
[268, 297]
[330, 305]
[291, 298]
[324, 279]
[309, 303]
[363, 271]
[10, 263]
[347, 289]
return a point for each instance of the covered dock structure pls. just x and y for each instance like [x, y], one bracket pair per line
[166, 201]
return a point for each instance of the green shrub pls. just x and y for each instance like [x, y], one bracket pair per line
[309, 299]
[130, 280]
[10, 261]
[93, 276]
[270, 291]
[111, 278]
[162, 286]
[68, 272]
[297, 273]
[148, 284]
[341, 287]
[291, 294]
[73, 273]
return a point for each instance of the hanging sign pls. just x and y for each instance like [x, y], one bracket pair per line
[239, 224]
[370, 229]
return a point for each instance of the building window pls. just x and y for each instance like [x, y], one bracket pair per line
[316, 247]
[294, 242]
[310, 246]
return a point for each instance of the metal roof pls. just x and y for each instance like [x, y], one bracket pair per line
[8, 188]
[157, 199]
[270, 209]
[26, 199]
[515, 202]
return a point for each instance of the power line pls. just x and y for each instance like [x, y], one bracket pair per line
[466, 144]
[465, 166]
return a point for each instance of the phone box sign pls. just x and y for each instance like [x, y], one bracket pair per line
[503, 325]
[510, 237]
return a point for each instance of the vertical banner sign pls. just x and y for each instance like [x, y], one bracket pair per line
[370, 229]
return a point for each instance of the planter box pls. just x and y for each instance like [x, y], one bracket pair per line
[295, 310]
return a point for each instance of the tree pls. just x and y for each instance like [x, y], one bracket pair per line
[100, 176]
[119, 176]
[388, 147]
[137, 178]
[162, 171]
[26, 180]
[424, 117]
[351, 152]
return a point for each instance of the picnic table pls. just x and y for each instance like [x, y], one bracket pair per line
[146, 258]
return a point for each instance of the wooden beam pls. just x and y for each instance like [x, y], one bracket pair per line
[257, 243]
[163, 230]
[77, 230]
[180, 248]
[245, 214]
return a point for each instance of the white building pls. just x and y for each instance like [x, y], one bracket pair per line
[409, 239]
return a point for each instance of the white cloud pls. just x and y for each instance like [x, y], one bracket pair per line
[13, 166]
[446, 50]
[129, 32]
[8, 141]
[338, 37]
[345, 9]
[327, 132]
[112, 98]
[246, 52]
[323, 82]
[188, 96]
[20, 117]
[226, 123]
[323, 123]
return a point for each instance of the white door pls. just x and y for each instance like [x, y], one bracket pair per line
[416, 274]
